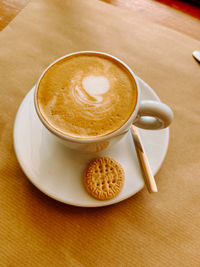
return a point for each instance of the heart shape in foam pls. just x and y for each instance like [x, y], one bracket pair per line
[96, 85]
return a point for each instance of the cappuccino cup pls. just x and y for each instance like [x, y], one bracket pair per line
[88, 100]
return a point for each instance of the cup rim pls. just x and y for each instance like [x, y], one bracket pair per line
[95, 139]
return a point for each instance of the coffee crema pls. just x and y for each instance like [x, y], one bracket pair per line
[86, 95]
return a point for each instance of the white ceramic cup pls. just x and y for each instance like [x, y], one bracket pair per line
[147, 114]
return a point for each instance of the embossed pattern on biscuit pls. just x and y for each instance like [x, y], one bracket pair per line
[104, 178]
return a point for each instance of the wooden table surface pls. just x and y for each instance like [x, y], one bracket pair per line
[175, 14]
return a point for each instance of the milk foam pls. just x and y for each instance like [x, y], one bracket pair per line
[95, 85]
[90, 90]
[86, 96]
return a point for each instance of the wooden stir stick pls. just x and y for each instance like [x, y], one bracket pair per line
[147, 173]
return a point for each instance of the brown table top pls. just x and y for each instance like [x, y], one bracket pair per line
[178, 15]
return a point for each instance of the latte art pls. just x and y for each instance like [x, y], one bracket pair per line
[92, 89]
[86, 96]
[96, 85]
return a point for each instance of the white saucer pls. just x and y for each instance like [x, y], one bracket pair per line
[58, 171]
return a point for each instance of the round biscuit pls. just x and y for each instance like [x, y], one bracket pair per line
[104, 178]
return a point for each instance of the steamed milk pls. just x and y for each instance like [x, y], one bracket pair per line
[87, 96]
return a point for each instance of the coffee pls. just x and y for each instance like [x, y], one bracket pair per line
[86, 95]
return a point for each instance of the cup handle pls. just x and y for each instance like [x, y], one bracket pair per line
[153, 115]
